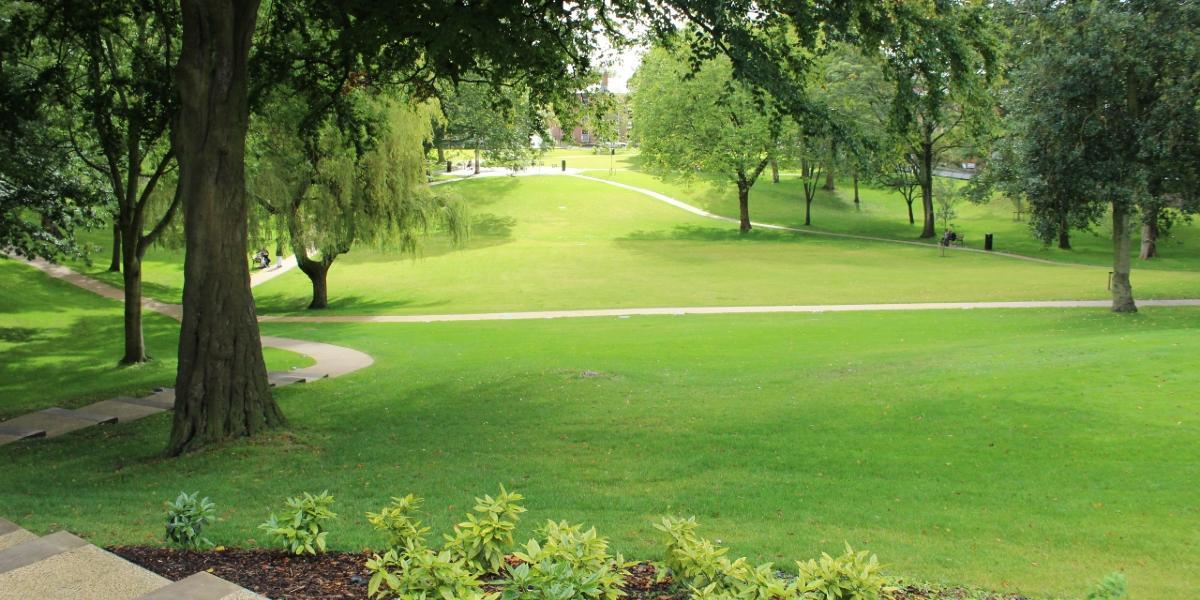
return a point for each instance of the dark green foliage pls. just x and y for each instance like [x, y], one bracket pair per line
[187, 517]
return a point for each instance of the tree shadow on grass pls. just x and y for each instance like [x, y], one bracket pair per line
[697, 233]
[73, 365]
[297, 305]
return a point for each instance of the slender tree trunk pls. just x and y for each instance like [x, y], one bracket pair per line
[476, 158]
[135, 345]
[807, 208]
[929, 230]
[1122, 289]
[115, 264]
[441, 154]
[856, 201]
[743, 207]
[221, 389]
[774, 171]
[1064, 234]
[911, 220]
[830, 185]
[1149, 236]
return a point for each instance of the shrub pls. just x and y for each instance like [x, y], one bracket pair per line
[397, 522]
[186, 518]
[481, 540]
[851, 576]
[418, 573]
[568, 563]
[1112, 587]
[301, 527]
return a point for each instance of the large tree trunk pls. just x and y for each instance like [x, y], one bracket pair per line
[1064, 234]
[441, 154]
[135, 346]
[1122, 290]
[221, 389]
[929, 230]
[114, 265]
[774, 171]
[318, 274]
[1149, 236]
[743, 207]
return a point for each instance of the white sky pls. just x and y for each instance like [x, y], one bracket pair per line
[622, 68]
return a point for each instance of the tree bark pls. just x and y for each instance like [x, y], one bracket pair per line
[1149, 236]
[441, 154]
[911, 220]
[476, 158]
[929, 230]
[743, 207]
[774, 171]
[135, 345]
[115, 264]
[1122, 289]
[829, 183]
[1064, 235]
[317, 272]
[856, 201]
[221, 389]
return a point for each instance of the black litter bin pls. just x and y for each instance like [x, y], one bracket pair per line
[987, 241]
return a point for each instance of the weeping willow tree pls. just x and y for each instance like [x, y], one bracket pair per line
[323, 184]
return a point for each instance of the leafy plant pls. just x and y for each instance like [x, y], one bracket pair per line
[186, 518]
[1112, 587]
[482, 539]
[397, 522]
[851, 576]
[703, 567]
[301, 527]
[418, 573]
[569, 563]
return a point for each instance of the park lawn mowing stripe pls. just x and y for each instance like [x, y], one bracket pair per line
[1028, 451]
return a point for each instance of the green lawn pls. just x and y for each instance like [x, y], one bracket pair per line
[565, 243]
[60, 346]
[883, 213]
[1019, 450]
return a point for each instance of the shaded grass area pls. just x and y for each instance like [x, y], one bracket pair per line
[1019, 450]
[544, 243]
[882, 213]
[60, 346]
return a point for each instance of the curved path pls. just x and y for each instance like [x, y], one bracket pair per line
[330, 361]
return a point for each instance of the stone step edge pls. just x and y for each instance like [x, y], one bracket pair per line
[96, 418]
[22, 433]
[199, 586]
[28, 553]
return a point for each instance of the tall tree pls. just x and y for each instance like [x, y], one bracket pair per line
[942, 62]
[703, 121]
[325, 193]
[107, 74]
[498, 124]
[1107, 114]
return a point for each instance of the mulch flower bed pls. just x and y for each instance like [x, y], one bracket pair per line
[333, 576]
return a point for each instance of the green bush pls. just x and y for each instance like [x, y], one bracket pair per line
[1112, 587]
[568, 563]
[418, 573]
[301, 527]
[397, 521]
[186, 518]
[851, 576]
[481, 540]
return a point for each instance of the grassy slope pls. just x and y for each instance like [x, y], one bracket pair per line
[1012, 449]
[60, 345]
[565, 243]
[882, 213]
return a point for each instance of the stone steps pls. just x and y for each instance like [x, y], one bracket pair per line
[61, 565]
[55, 421]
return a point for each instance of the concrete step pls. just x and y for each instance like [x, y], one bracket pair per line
[123, 409]
[278, 379]
[201, 586]
[54, 421]
[11, 534]
[62, 565]
[11, 433]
